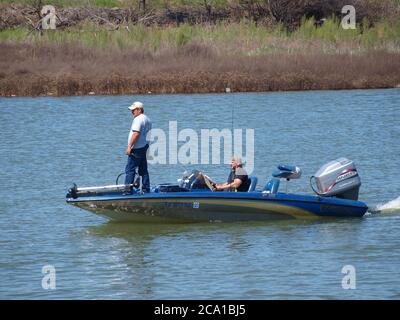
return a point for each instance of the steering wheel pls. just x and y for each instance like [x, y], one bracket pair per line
[208, 182]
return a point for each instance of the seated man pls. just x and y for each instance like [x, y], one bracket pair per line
[238, 179]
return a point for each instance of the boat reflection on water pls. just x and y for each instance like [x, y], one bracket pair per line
[168, 261]
[139, 232]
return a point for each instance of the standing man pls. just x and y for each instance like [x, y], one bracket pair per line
[137, 146]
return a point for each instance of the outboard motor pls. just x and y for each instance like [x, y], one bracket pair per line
[338, 178]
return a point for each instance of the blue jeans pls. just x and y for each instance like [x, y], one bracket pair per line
[138, 159]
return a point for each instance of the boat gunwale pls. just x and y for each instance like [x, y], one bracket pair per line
[226, 195]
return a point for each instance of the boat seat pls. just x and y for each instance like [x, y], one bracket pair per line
[253, 183]
[287, 172]
[272, 186]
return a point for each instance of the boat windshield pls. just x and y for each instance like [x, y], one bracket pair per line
[196, 180]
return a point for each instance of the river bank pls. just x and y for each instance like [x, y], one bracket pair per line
[89, 57]
[27, 70]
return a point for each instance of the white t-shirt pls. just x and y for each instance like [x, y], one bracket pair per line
[141, 124]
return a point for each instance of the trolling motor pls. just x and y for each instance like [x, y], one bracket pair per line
[338, 178]
[124, 189]
[75, 192]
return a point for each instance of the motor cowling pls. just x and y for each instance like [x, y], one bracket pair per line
[338, 178]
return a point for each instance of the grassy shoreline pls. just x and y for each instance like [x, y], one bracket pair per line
[243, 56]
[65, 70]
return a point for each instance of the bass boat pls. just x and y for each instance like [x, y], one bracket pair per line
[193, 198]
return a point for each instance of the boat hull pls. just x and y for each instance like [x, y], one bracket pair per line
[221, 206]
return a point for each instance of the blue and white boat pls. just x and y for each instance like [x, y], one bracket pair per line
[193, 199]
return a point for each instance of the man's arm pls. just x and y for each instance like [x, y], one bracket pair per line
[234, 184]
[132, 141]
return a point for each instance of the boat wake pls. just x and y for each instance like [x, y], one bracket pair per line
[388, 207]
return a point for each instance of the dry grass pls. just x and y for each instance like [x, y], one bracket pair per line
[108, 51]
[73, 69]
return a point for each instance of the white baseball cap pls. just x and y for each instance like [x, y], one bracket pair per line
[136, 105]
